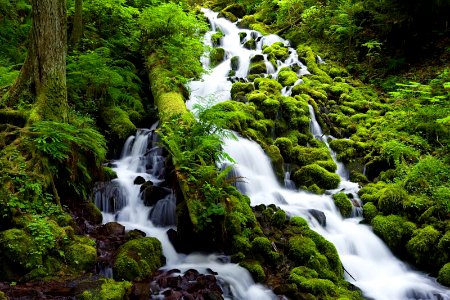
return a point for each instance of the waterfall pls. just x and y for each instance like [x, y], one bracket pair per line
[373, 268]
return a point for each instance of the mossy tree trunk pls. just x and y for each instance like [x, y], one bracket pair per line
[45, 66]
[77, 29]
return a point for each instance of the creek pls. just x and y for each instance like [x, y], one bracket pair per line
[373, 268]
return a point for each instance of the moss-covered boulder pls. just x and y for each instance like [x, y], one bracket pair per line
[423, 247]
[250, 44]
[138, 259]
[3, 296]
[118, 122]
[268, 86]
[394, 230]
[227, 15]
[444, 275]
[255, 269]
[236, 9]
[287, 77]
[81, 257]
[234, 63]
[258, 67]
[239, 90]
[109, 290]
[276, 51]
[315, 174]
[216, 56]
[391, 200]
[343, 204]
[216, 38]
[370, 211]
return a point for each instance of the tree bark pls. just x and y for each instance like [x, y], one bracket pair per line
[47, 53]
[45, 66]
[77, 29]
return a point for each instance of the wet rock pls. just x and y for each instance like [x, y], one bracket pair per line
[139, 180]
[113, 228]
[152, 193]
[319, 216]
[135, 234]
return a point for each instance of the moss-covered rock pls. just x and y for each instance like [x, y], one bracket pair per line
[269, 86]
[227, 15]
[258, 67]
[394, 230]
[216, 38]
[241, 89]
[276, 51]
[287, 77]
[234, 63]
[109, 290]
[3, 296]
[391, 200]
[138, 259]
[250, 44]
[306, 155]
[423, 247]
[216, 56]
[444, 275]
[315, 174]
[343, 204]
[236, 9]
[81, 257]
[370, 211]
[255, 269]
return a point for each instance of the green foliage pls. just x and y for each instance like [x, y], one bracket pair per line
[444, 275]
[394, 230]
[176, 36]
[109, 290]
[423, 247]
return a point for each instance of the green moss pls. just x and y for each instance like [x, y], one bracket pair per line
[287, 77]
[241, 89]
[285, 146]
[81, 257]
[423, 247]
[227, 15]
[315, 174]
[343, 204]
[241, 244]
[109, 174]
[19, 249]
[306, 155]
[216, 56]
[119, 125]
[444, 275]
[261, 27]
[93, 215]
[301, 249]
[394, 230]
[299, 222]
[370, 211]
[309, 58]
[216, 37]
[3, 296]
[270, 86]
[258, 67]
[270, 107]
[250, 44]
[109, 290]
[234, 63]
[255, 269]
[279, 218]
[328, 165]
[391, 200]
[276, 51]
[236, 9]
[138, 259]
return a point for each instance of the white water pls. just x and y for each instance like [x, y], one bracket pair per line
[376, 271]
[133, 214]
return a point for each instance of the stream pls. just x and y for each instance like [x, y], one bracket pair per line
[375, 270]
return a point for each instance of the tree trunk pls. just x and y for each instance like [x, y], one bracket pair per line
[47, 53]
[45, 66]
[77, 30]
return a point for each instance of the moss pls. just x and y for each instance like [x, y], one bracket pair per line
[19, 249]
[279, 218]
[250, 44]
[423, 247]
[240, 89]
[261, 27]
[14, 117]
[138, 259]
[343, 204]
[246, 21]
[276, 51]
[370, 211]
[109, 290]
[299, 222]
[301, 249]
[255, 269]
[216, 38]
[216, 56]
[236, 9]
[241, 244]
[309, 59]
[391, 200]
[287, 77]
[315, 174]
[81, 257]
[234, 63]
[394, 230]
[258, 67]
[270, 107]
[94, 215]
[285, 146]
[227, 15]
[306, 155]
[3, 296]
[108, 174]
[118, 122]
[444, 275]
[270, 86]
[328, 165]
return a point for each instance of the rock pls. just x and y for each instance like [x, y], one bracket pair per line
[135, 234]
[152, 193]
[139, 180]
[319, 216]
[236, 9]
[113, 228]
[138, 259]
[235, 63]
[242, 36]
[250, 44]
[257, 58]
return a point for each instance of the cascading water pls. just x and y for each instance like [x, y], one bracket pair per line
[373, 268]
[121, 201]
